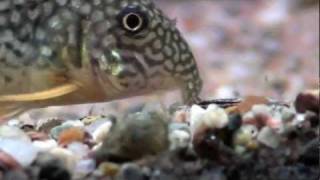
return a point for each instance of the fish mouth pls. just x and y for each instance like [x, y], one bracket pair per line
[102, 73]
[116, 73]
[126, 73]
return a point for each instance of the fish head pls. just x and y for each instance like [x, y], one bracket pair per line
[137, 49]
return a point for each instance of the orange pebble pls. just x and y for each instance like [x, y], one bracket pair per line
[180, 116]
[71, 135]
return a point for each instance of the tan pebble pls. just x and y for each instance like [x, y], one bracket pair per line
[180, 116]
[66, 156]
[109, 169]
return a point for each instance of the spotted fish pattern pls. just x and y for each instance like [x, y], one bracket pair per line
[60, 52]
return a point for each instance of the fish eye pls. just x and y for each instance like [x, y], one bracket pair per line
[132, 19]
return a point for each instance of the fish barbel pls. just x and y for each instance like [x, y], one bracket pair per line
[61, 52]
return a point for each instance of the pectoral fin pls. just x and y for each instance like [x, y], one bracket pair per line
[41, 95]
[14, 104]
[9, 111]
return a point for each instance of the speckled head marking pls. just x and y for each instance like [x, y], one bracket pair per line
[122, 47]
[143, 47]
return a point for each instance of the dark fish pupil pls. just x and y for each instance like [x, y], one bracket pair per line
[133, 21]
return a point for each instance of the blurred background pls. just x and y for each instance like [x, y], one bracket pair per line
[242, 47]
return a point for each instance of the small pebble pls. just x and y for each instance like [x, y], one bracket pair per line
[179, 126]
[308, 101]
[102, 132]
[88, 120]
[74, 134]
[246, 137]
[263, 115]
[268, 137]
[7, 162]
[180, 116]
[261, 109]
[137, 135]
[179, 139]
[313, 119]
[22, 151]
[179, 136]
[212, 117]
[55, 132]
[130, 171]
[287, 114]
[94, 123]
[67, 157]
[45, 146]
[109, 169]
[14, 122]
[83, 168]
[14, 133]
[78, 149]
[50, 167]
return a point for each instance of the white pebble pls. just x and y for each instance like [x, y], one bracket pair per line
[10, 132]
[269, 137]
[300, 118]
[96, 124]
[212, 117]
[179, 139]
[46, 145]
[78, 149]
[83, 168]
[196, 113]
[102, 132]
[216, 117]
[14, 122]
[248, 116]
[22, 151]
[97, 146]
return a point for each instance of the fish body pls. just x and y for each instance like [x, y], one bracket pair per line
[61, 52]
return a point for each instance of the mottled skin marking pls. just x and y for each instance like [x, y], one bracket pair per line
[45, 43]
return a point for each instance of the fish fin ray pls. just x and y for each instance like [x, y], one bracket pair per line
[14, 104]
[8, 111]
[41, 95]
